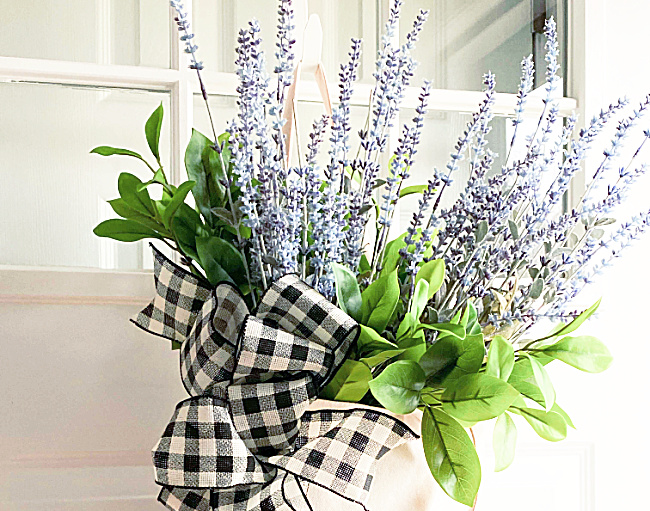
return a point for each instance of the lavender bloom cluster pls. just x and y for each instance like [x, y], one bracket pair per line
[304, 218]
[507, 245]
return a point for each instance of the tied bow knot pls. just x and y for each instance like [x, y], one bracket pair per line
[246, 440]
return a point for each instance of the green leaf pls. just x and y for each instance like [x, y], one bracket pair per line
[478, 397]
[584, 352]
[203, 166]
[381, 356]
[469, 354]
[543, 382]
[536, 289]
[410, 190]
[556, 408]
[158, 177]
[448, 328]
[434, 273]
[420, 299]
[473, 327]
[378, 301]
[152, 131]
[392, 257]
[348, 294]
[548, 425]
[514, 230]
[370, 342]
[414, 348]
[179, 198]
[398, 386]
[221, 260]
[440, 359]
[481, 231]
[501, 358]
[122, 209]
[128, 184]
[105, 150]
[124, 230]
[350, 383]
[364, 264]
[186, 226]
[451, 456]
[504, 442]
[575, 324]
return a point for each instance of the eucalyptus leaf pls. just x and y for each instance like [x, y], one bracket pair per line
[478, 397]
[481, 231]
[504, 442]
[514, 230]
[536, 289]
[451, 456]
[348, 294]
[398, 386]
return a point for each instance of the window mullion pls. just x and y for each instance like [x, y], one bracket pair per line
[84, 73]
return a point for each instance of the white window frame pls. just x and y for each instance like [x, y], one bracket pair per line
[46, 285]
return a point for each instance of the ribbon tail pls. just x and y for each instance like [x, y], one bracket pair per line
[184, 499]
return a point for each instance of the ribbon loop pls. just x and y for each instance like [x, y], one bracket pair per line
[179, 299]
[246, 439]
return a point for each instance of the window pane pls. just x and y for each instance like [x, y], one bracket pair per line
[217, 23]
[463, 39]
[128, 32]
[54, 192]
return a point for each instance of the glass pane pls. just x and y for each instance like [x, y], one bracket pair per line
[463, 39]
[217, 23]
[128, 32]
[54, 192]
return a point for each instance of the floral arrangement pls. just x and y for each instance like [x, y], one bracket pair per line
[446, 308]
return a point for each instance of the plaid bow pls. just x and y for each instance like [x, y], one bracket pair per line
[245, 439]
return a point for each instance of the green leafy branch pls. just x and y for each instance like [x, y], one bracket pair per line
[406, 360]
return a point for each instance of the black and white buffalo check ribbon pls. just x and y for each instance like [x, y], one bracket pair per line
[245, 439]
